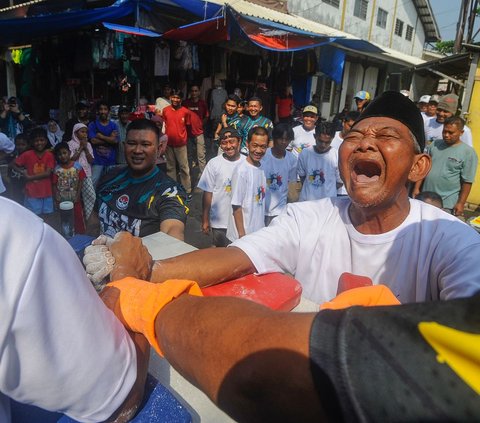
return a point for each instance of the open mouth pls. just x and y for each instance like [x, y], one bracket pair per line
[367, 171]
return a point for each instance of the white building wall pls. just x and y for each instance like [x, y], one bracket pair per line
[367, 29]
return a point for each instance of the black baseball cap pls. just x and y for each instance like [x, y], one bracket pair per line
[233, 132]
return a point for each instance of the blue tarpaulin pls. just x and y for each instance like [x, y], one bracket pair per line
[331, 63]
[22, 30]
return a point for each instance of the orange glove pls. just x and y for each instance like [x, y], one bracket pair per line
[377, 295]
[137, 303]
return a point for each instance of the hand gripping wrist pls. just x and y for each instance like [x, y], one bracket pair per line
[137, 303]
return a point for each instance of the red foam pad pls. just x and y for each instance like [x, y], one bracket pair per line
[348, 281]
[274, 290]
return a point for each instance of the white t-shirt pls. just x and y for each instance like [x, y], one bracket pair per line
[61, 349]
[320, 172]
[433, 131]
[7, 146]
[217, 179]
[248, 191]
[336, 143]
[279, 173]
[303, 139]
[431, 255]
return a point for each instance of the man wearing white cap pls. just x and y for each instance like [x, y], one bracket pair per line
[422, 104]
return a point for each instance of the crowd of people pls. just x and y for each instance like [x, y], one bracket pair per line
[273, 195]
[255, 173]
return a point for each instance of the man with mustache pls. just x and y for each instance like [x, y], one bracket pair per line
[377, 232]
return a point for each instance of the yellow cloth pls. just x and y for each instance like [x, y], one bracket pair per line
[137, 303]
[377, 295]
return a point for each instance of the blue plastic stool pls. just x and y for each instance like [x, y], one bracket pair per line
[159, 406]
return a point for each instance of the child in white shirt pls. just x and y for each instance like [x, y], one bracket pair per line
[318, 166]
[216, 183]
[280, 167]
[248, 188]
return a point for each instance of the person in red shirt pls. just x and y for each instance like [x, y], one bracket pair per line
[284, 107]
[200, 109]
[37, 165]
[177, 119]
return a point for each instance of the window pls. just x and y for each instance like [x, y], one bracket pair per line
[360, 9]
[398, 27]
[382, 18]
[409, 33]
[334, 3]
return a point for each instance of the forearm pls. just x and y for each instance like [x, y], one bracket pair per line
[464, 193]
[207, 267]
[134, 399]
[206, 206]
[238, 219]
[261, 372]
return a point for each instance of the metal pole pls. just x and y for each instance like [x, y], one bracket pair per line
[457, 47]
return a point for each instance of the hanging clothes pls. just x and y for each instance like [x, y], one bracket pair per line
[162, 59]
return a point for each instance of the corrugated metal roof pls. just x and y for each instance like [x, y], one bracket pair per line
[427, 18]
[255, 10]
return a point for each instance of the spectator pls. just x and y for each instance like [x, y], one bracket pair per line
[103, 134]
[454, 165]
[161, 161]
[447, 107]
[12, 118]
[177, 118]
[81, 151]
[6, 147]
[37, 166]
[318, 166]
[304, 135]
[430, 197]
[81, 116]
[54, 133]
[197, 128]
[254, 119]
[248, 188]
[284, 106]
[229, 118]
[422, 104]
[362, 100]
[16, 187]
[67, 181]
[122, 123]
[280, 167]
[164, 100]
[216, 183]
[139, 198]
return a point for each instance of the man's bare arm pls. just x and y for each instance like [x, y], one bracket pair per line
[206, 207]
[238, 219]
[261, 373]
[206, 267]
[134, 399]
[173, 227]
[462, 198]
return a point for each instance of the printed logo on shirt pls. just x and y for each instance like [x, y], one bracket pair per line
[227, 186]
[260, 195]
[274, 181]
[317, 178]
[122, 202]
